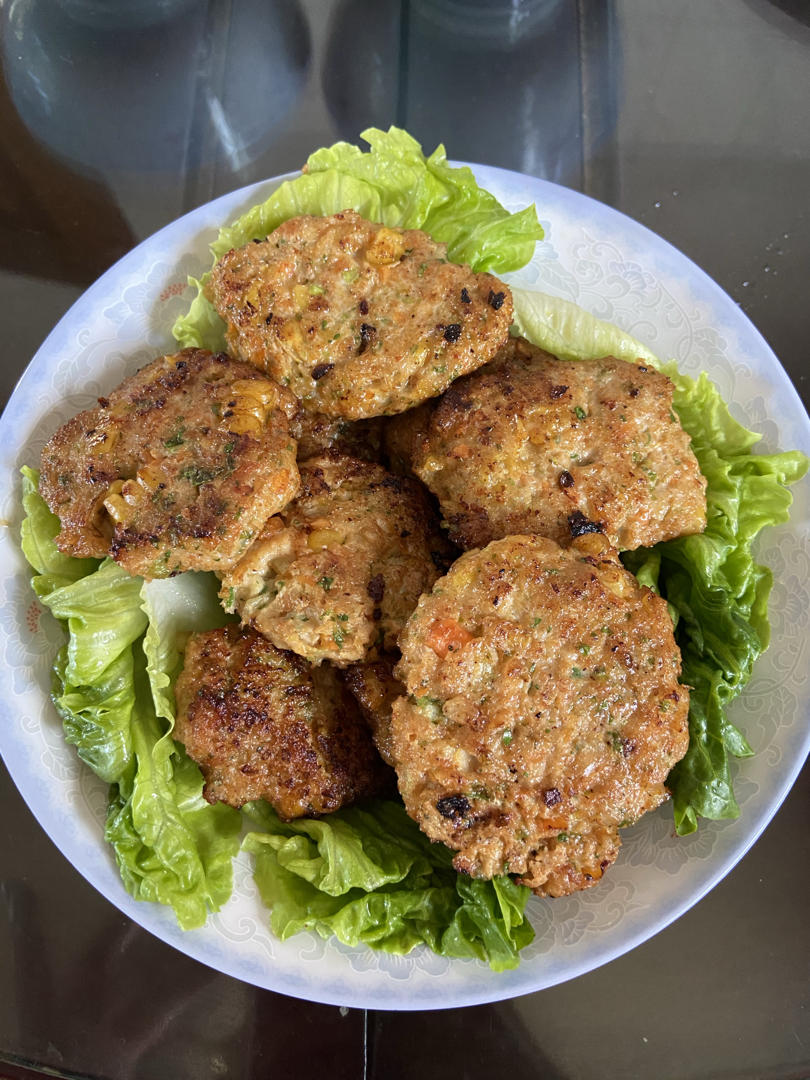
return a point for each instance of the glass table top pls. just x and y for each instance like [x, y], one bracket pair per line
[692, 119]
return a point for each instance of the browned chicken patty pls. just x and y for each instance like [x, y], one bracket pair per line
[335, 575]
[532, 444]
[376, 688]
[317, 434]
[543, 710]
[263, 724]
[356, 318]
[176, 469]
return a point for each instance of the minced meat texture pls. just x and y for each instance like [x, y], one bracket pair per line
[543, 710]
[532, 444]
[263, 724]
[176, 469]
[335, 575]
[358, 319]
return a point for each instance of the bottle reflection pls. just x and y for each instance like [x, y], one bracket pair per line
[500, 81]
[166, 85]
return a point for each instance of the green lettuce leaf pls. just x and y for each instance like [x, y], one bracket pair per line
[716, 591]
[570, 332]
[171, 846]
[112, 687]
[103, 615]
[393, 183]
[369, 876]
[175, 608]
[97, 718]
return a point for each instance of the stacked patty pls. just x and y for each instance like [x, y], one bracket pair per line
[358, 319]
[263, 724]
[526, 692]
[532, 444]
[335, 575]
[177, 469]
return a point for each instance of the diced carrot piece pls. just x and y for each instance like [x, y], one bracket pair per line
[446, 635]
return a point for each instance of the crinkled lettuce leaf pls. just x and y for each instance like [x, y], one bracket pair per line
[111, 685]
[716, 591]
[103, 616]
[393, 183]
[97, 718]
[369, 876]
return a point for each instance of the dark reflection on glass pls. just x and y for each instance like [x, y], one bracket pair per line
[483, 1040]
[53, 223]
[518, 83]
[167, 86]
[117, 1003]
[773, 9]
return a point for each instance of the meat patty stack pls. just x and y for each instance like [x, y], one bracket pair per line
[372, 418]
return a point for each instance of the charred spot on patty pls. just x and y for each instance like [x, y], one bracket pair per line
[455, 807]
[578, 524]
[565, 479]
[376, 588]
[367, 336]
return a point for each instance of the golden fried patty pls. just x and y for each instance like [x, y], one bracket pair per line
[376, 688]
[176, 469]
[262, 724]
[532, 444]
[356, 318]
[338, 571]
[543, 710]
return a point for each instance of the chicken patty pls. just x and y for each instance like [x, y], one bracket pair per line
[176, 469]
[543, 710]
[263, 724]
[532, 444]
[376, 688]
[335, 575]
[358, 319]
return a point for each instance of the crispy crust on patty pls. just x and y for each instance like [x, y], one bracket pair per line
[335, 575]
[356, 318]
[543, 710]
[176, 469]
[262, 724]
[532, 444]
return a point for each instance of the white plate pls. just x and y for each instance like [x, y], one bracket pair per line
[618, 270]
